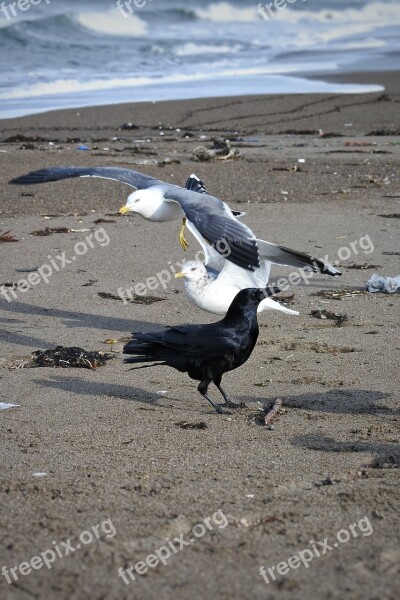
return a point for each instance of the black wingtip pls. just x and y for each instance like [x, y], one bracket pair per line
[40, 176]
[22, 180]
[271, 290]
[195, 184]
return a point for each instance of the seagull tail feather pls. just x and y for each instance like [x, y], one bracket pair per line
[269, 304]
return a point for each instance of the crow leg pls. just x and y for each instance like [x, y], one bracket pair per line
[228, 402]
[203, 387]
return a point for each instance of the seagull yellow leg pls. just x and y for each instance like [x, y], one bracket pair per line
[182, 239]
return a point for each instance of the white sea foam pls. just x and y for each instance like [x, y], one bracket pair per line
[67, 86]
[113, 23]
[375, 14]
[223, 12]
[70, 86]
[191, 49]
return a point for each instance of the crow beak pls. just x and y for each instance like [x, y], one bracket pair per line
[180, 274]
[123, 210]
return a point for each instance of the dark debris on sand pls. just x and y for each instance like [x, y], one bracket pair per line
[363, 266]
[185, 425]
[7, 237]
[287, 300]
[134, 298]
[68, 357]
[49, 230]
[339, 294]
[323, 313]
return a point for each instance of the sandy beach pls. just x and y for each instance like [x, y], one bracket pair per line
[141, 450]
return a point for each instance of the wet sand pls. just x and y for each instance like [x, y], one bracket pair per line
[113, 442]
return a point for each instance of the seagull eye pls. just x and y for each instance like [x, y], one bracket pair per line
[136, 200]
[193, 269]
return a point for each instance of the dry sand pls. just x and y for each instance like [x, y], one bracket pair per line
[112, 447]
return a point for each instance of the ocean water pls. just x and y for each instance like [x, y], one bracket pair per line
[68, 53]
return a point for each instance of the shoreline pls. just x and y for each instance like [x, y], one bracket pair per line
[385, 79]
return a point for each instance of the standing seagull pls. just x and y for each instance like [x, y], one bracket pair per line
[205, 352]
[214, 290]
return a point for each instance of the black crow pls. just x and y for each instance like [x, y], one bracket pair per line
[205, 352]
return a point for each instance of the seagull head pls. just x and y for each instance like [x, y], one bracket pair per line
[144, 203]
[193, 270]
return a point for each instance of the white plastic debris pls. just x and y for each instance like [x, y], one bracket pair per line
[379, 283]
[39, 474]
[7, 405]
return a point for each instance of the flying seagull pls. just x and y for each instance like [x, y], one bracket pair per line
[207, 216]
[204, 352]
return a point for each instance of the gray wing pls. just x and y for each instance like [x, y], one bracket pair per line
[279, 255]
[214, 221]
[133, 178]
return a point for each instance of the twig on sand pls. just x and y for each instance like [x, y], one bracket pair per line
[7, 237]
[271, 414]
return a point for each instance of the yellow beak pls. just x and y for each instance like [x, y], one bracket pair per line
[123, 210]
[180, 274]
